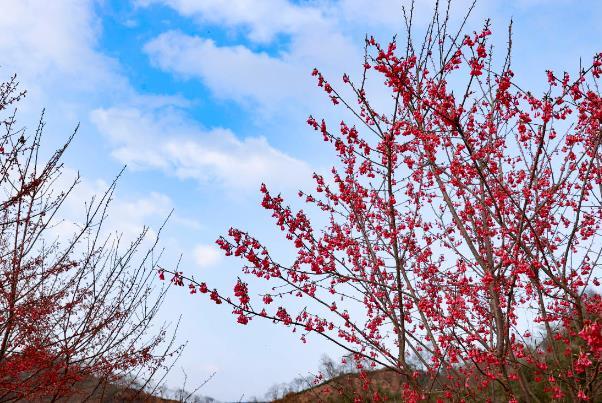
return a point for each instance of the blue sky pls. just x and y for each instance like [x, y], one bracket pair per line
[204, 100]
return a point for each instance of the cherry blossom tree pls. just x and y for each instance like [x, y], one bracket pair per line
[463, 239]
[77, 309]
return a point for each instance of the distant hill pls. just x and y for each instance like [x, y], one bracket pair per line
[94, 392]
[342, 388]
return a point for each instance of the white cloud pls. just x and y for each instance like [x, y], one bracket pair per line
[52, 45]
[126, 214]
[58, 40]
[316, 36]
[262, 20]
[207, 255]
[230, 72]
[132, 214]
[269, 84]
[163, 139]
